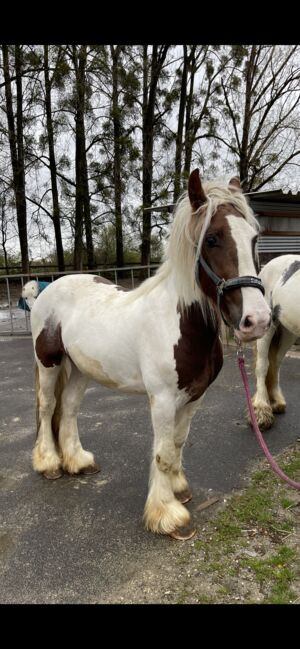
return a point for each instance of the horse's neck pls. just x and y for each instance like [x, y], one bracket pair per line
[202, 311]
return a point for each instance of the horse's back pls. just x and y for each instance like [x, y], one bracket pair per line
[273, 271]
[64, 296]
[281, 279]
[285, 296]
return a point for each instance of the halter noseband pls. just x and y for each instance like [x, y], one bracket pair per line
[226, 284]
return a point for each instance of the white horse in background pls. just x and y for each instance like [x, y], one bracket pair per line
[281, 280]
[30, 292]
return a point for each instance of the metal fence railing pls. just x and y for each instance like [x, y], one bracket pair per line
[15, 321]
[279, 244]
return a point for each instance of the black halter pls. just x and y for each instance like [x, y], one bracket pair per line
[226, 284]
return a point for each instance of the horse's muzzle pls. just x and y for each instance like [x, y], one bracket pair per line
[252, 327]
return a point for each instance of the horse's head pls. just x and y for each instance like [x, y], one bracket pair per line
[30, 289]
[226, 258]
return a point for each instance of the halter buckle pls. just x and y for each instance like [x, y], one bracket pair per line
[220, 287]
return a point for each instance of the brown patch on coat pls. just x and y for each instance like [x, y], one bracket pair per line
[198, 353]
[48, 345]
[122, 288]
[293, 268]
[103, 280]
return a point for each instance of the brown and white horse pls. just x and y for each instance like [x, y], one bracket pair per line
[281, 280]
[161, 338]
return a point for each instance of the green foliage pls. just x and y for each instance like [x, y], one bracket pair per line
[239, 52]
[64, 162]
[13, 260]
[32, 58]
[209, 68]
[235, 82]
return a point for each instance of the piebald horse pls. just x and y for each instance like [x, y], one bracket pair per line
[281, 280]
[161, 338]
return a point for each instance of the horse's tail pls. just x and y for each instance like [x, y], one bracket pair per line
[59, 386]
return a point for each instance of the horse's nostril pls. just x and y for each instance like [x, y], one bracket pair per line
[247, 322]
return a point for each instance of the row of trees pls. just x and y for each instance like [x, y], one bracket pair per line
[93, 137]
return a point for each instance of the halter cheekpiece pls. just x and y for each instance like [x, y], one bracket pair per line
[226, 284]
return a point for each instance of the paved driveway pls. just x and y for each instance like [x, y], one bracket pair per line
[81, 539]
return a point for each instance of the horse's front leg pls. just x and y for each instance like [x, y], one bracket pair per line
[183, 420]
[164, 513]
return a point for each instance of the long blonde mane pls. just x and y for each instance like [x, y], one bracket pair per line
[185, 241]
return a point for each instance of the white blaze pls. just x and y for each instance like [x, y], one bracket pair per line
[254, 303]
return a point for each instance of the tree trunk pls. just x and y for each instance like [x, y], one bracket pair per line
[87, 215]
[56, 211]
[244, 157]
[82, 208]
[189, 136]
[147, 161]
[16, 149]
[149, 98]
[4, 235]
[179, 134]
[117, 156]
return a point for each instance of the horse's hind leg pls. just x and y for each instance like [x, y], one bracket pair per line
[163, 512]
[261, 402]
[45, 456]
[74, 458]
[280, 344]
[271, 350]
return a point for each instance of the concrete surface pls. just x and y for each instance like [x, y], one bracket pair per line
[81, 539]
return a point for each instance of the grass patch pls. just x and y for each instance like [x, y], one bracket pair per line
[260, 518]
[286, 502]
[275, 567]
[292, 468]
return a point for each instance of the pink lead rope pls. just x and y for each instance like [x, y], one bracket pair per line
[274, 465]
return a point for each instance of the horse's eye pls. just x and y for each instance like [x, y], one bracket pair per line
[211, 241]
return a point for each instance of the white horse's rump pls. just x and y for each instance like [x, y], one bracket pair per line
[161, 338]
[281, 279]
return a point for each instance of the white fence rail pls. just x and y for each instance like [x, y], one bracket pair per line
[15, 321]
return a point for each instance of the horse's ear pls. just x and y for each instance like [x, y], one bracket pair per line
[196, 193]
[235, 183]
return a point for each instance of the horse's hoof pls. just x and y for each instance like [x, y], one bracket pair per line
[90, 470]
[278, 408]
[183, 533]
[184, 496]
[264, 417]
[53, 475]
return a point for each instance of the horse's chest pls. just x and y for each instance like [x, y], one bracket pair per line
[198, 353]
